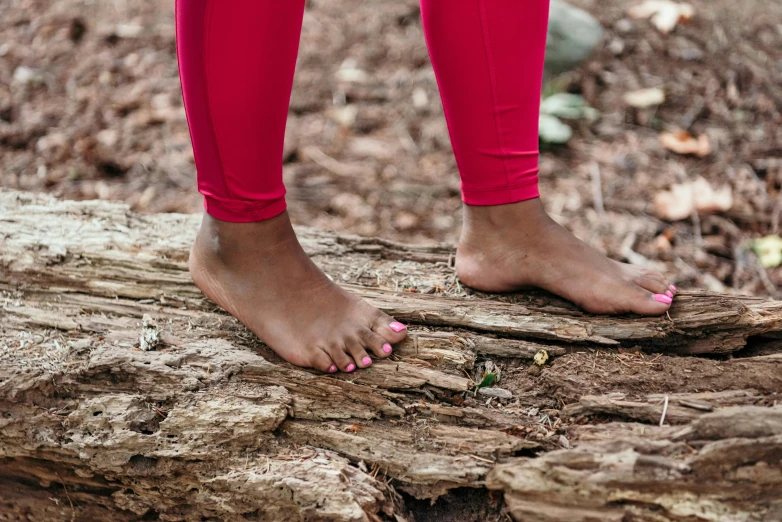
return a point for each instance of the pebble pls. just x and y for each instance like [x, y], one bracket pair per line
[499, 393]
[27, 75]
[572, 36]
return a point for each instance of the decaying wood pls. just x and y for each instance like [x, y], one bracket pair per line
[628, 478]
[205, 421]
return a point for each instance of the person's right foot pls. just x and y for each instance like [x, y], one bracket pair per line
[259, 273]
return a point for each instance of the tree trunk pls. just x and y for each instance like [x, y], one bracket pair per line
[125, 395]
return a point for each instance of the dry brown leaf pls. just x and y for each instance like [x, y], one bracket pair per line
[662, 243]
[645, 98]
[665, 14]
[680, 201]
[683, 142]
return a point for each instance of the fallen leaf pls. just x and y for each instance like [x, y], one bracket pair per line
[420, 98]
[665, 14]
[541, 357]
[344, 115]
[129, 30]
[662, 243]
[683, 142]
[645, 98]
[680, 201]
[769, 250]
[350, 73]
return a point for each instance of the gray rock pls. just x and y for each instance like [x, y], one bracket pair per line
[572, 36]
[500, 393]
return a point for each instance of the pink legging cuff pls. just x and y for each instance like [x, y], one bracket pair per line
[243, 211]
[527, 189]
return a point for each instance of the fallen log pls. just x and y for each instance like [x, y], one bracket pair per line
[124, 394]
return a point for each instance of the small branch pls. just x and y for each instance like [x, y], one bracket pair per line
[332, 165]
[665, 410]
[597, 189]
[73, 511]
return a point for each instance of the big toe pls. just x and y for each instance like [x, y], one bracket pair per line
[616, 296]
[649, 303]
[389, 328]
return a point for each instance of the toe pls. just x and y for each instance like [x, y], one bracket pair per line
[389, 329]
[359, 354]
[648, 279]
[649, 303]
[343, 361]
[650, 283]
[375, 343]
[320, 360]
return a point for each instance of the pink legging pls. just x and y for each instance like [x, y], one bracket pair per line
[237, 59]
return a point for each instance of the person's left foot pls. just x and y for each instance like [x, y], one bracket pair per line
[509, 247]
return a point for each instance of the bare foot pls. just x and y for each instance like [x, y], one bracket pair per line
[259, 273]
[508, 247]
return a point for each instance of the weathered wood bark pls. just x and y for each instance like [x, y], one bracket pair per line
[184, 415]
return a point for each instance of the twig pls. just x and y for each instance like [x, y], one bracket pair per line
[332, 165]
[633, 257]
[665, 410]
[484, 460]
[73, 511]
[404, 137]
[597, 189]
[775, 212]
[692, 115]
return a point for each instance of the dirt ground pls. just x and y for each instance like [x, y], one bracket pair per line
[98, 114]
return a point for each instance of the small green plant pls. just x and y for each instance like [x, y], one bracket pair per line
[558, 106]
[769, 250]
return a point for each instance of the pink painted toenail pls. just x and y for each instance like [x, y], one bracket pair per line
[397, 327]
[350, 367]
[332, 369]
[366, 361]
[669, 293]
[387, 348]
[660, 298]
[673, 288]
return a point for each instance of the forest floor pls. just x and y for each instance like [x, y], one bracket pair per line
[90, 107]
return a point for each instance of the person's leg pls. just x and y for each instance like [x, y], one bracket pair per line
[488, 59]
[237, 60]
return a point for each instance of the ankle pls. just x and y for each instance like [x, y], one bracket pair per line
[496, 220]
[229, 242]
[224, 236]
